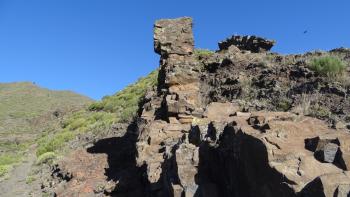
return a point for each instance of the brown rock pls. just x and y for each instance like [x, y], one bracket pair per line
[220, 111]
[173, 36]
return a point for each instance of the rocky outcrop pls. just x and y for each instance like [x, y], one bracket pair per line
[196, 140]
[173, 36]
[231, 123]
[179, 86]
[249, 43]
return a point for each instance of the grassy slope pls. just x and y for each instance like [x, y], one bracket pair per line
[120, 107]
[21, 102]
[25, 101]
[24, 111]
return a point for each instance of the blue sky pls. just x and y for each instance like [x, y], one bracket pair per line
[97, 47]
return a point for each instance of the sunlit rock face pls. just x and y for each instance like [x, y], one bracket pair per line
[196, 141]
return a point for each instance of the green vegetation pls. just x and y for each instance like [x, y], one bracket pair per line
[125, 103]
[13, 145]
[203, 53]
[4, 169]
[51, 143]
[284, 104]
[77, 123]
[25, 110]
[120, 107]
[319, 111]
[330, 66]
[21, 102]
[46, 158]
[7, 161]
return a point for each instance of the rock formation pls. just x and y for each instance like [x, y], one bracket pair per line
[231, 123]
[250, 43]
[196, 145]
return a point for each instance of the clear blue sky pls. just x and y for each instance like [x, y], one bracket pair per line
[97, 47]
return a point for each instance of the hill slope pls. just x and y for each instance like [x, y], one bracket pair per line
[22, 102]
[25, 111]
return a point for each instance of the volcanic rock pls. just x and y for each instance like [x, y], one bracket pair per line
[249, 43]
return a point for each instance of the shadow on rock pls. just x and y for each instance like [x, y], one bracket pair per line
[238, 167]
[121, 152]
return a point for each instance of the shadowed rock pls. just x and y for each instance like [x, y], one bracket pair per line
[249, 43]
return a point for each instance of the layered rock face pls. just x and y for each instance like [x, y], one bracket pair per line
[170, 112]
[196, 139]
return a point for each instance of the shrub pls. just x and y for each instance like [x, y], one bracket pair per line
[4, 169]
[330, 66]
[97, 106]
[284, 104]
[53, 143]
[125, 102]
[46, 158]
[77, 123]
[319, 111]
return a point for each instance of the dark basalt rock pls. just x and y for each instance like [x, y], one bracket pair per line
[249, 43]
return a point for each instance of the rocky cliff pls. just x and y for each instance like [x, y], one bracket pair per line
[241, 121]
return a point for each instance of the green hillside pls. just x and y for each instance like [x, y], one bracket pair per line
[25, 111]
[99, 116]
[45, 121]
[22, 102]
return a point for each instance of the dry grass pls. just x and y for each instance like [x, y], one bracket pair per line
[309, 106]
